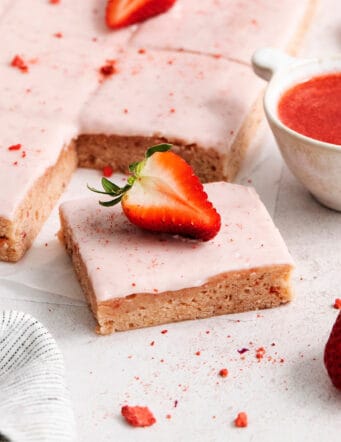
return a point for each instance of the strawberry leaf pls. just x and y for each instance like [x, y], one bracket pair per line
[111, 203]
[110, 187]
[158, 148]
[99, 191]
[133, 166]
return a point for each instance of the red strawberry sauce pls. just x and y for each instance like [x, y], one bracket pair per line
[313, 108]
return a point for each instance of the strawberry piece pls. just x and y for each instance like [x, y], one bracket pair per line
[332, 354]
[18, 62]
[107, 171]
[241, 420]
[15, 147]
[121, 13]
[138, 416]
[164, 195]
[337, 303]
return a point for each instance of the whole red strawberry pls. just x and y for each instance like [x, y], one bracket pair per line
[164, 195]
[332, 354]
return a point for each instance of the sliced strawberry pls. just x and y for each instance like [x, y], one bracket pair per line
[164, 195]
[121, 13]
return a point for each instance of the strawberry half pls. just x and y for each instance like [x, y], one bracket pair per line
[121, 13]
[332, 354]
[164, 195]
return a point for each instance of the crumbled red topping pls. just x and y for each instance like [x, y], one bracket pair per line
[198, 353]
[15, 147]
[337, 303]
[138, 416]
[109, 68]
[107, 172]
[164, 332]
[260, 352]
[58, 35]
[23, 154]
[223, 372]
[18, 62]
[141, 51]
[241, 420]
[54, 2]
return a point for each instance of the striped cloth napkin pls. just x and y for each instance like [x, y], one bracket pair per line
[34, 404]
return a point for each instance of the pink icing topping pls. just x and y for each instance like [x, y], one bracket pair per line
[122, 259]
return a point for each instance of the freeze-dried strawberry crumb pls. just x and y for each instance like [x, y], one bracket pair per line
[23, 154]
[164, 332]
[107, 171]
[18, 62]
[138, 416]
[337, 303]
[241, 420]
[141, 51]
[54, 2]
[223, 372]
[109, 68]
[260, 352]
[58, 35]
[242, 350]
[198, 353]
[15, 147]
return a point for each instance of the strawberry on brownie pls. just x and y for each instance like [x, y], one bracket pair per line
[133, 277]
[164, 195]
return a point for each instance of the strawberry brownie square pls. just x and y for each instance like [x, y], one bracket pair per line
[202, 105]
[133, 278]
[37, 160]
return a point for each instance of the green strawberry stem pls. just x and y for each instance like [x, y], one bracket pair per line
[135, 169]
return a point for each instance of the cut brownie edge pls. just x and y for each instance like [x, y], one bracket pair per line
[230, 292]
[99, 150]
[17, 235]
[96, 151]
